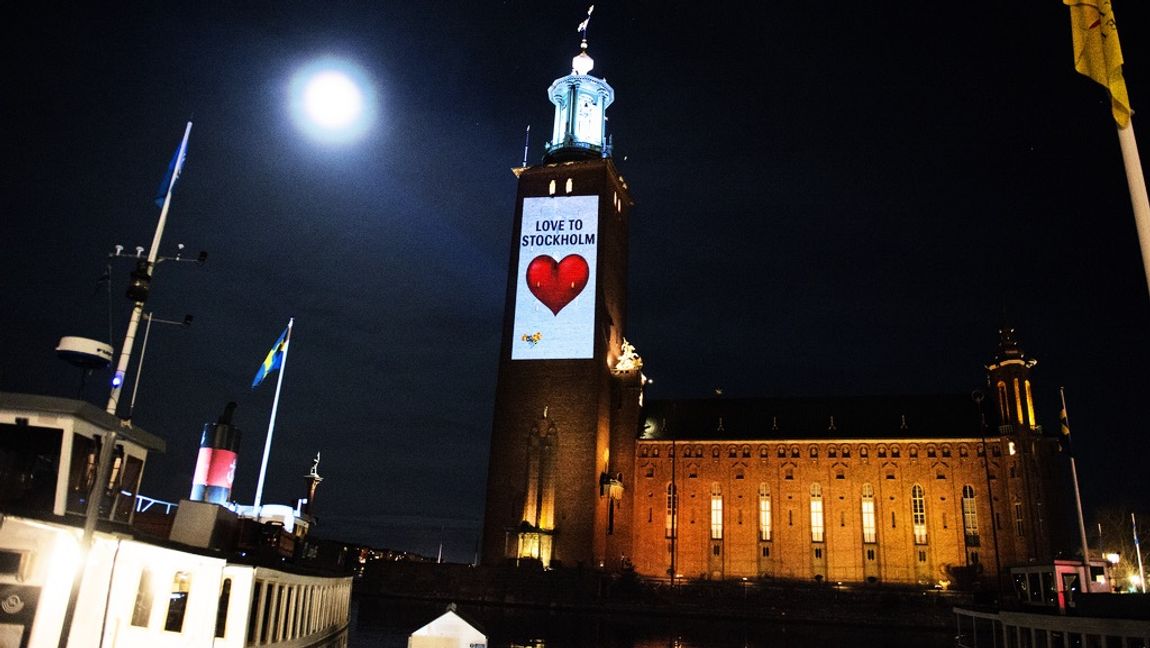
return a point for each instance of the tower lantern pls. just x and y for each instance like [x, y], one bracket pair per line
[581, 100]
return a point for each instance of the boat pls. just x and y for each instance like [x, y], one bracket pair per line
[215, 579]
[1059, 604]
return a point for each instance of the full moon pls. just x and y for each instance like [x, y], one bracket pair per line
[332, 101]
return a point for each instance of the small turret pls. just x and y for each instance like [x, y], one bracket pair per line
[1008, 377]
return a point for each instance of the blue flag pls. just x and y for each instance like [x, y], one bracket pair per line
[168, 184]
[274, 359]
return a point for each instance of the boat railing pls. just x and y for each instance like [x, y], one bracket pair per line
[144, 503]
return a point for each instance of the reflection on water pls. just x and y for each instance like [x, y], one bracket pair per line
[386, 623]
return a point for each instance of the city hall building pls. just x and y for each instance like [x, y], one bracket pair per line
[899, 489]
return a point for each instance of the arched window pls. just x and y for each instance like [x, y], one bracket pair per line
[716, 512]
[814, 452]
[918, 513]
[764, 512]
[969, 516]
[672, 511]
[894, 452]
[1003, 408]
[817, 530]
[863, 452]
[846, 452]
[868, 519]
[1029, 404]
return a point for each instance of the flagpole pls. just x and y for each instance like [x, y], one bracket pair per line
[138, 309]
[1137, 182]
[272, 421]
[1077, 494]
[1138, 552]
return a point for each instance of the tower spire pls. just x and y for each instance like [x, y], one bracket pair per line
[581, 100]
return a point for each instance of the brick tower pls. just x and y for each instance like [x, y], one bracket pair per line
[567, 397]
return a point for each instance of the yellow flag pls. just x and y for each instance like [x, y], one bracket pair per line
[1097, 53]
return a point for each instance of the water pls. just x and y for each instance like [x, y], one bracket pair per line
[387, 623]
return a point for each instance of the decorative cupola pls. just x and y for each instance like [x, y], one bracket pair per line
[1009, 378]
[581, 100]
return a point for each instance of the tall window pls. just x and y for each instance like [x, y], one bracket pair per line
[716, 512]
[672, 510]
[969, 516]
[178, 602]
[816, 513]
[764, 512]
[918, 513]
[1018, 517]
[868, 524]
[143, 607]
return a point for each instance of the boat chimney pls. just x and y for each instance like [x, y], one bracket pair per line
[216, 465]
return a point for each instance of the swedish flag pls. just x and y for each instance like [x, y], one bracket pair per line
[275, 357]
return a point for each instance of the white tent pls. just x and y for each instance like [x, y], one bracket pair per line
[448, 631]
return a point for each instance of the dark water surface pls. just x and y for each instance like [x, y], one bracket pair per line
[387, 623]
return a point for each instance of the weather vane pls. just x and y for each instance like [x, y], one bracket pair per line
[583, 25]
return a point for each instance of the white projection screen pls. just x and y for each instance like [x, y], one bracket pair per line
[555, 287]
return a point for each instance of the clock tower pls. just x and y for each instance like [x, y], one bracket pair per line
[567, 398]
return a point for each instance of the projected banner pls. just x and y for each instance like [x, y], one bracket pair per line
[555, 289]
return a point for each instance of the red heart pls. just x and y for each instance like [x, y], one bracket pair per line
[557, 283]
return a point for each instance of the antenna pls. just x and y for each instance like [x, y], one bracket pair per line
[526, 141]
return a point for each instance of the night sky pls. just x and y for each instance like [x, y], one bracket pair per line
[831, 199]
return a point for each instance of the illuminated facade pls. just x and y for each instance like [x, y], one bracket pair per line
[877, 489]
[897, 489]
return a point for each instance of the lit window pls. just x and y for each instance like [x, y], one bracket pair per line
[764, 512]
[918, 511]
[551, 188]
[143, 608]
[868, 520]
[817, 530]
[672, 511]
[969, 516]
[570, 185]
[716, 512]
